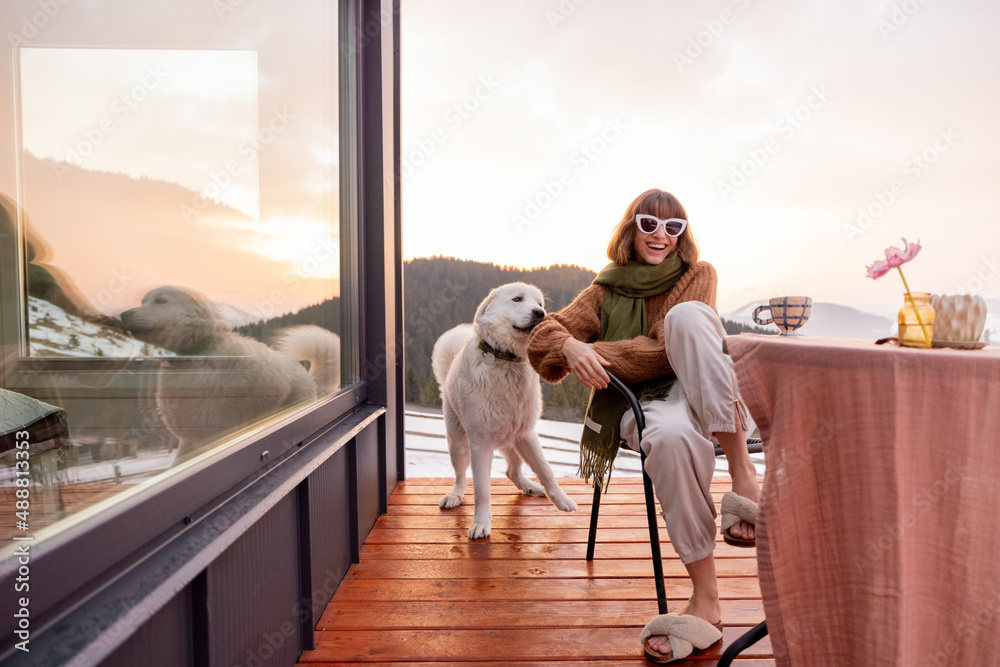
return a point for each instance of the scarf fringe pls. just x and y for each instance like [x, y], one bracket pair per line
[597, 466]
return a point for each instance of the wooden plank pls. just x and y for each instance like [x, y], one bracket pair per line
[560, 520]
[424, 594]
[486, 590]
[520, 509]
[54, 502]
[629, 487]
[534, 569]
[564, 550]
[503, 645]
[413, 615]
[460, 534]
[633, 662]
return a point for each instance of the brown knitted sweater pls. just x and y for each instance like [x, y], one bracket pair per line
[642, 358]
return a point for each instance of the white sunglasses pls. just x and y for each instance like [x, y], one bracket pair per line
[671, 226]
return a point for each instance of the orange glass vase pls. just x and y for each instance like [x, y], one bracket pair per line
[916, 331]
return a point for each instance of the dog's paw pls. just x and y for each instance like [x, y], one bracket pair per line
[563, 502]
[450, 500]
[532, 489]
[479, 529]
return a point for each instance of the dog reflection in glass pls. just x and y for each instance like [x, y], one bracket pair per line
[235, 381]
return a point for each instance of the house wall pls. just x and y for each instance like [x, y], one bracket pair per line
[233, 561]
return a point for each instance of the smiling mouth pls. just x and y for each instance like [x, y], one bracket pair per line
[656, 246]
[529, 326]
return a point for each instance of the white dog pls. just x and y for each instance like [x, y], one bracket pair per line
[241, 382]
[492, 399]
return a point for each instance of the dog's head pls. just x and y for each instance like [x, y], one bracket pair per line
[175, 318]
[507, 315]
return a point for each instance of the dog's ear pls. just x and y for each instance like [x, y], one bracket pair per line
[483, 322]
[483, 307]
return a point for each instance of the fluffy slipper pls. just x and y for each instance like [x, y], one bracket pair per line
[686, 633]
[735, 509]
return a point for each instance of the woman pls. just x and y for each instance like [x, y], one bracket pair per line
[649, 317]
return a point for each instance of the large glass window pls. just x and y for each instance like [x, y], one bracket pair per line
[175, 242]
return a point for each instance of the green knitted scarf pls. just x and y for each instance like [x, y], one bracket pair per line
[623, 317]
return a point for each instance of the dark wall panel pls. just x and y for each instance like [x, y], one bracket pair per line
[253, 591]
[332, 522]
[369, 474]
[163, 641]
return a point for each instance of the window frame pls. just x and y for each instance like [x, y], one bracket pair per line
[98, 546]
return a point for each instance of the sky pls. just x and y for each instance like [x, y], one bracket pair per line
[803, 138]
[123, 130]
[187, 144]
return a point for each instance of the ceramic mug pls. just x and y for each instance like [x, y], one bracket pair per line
[788, 312]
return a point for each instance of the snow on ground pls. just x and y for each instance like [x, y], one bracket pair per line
[427, 449]
[53, 332]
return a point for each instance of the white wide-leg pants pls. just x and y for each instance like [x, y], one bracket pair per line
[677, 440]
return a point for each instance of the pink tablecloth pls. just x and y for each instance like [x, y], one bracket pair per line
[879, 533]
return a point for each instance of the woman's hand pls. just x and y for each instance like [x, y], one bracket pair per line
[586, 363]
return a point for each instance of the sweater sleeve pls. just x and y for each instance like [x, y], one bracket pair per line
[581, 319]
[635, 360]
[644, 357]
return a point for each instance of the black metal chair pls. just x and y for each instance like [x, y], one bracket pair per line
[647, 487]
[743, 642]
[754, 445]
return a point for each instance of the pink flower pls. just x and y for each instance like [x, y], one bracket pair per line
[894, 258]
[878, 269]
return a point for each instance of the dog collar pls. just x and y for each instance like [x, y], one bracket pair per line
[503, 355]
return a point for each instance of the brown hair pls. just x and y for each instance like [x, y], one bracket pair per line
[663, 205]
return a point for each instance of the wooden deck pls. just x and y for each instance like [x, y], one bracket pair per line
[424, 593]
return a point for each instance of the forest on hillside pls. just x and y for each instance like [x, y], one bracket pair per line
[325, 314]
[441, 292]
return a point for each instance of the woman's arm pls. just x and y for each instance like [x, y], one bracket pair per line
[636, 360]
[580, 320]
[644, 357]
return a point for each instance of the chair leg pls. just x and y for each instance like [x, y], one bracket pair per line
[745, 641]
[592, 539]
[654, 538]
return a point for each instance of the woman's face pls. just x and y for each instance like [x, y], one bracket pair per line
[653, 248]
